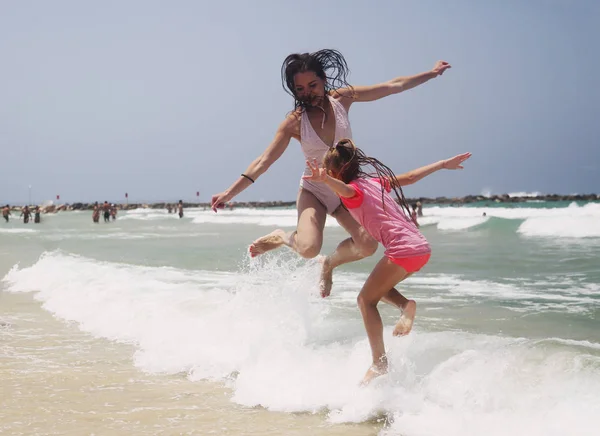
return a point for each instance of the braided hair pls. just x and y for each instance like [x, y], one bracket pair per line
[347, 162]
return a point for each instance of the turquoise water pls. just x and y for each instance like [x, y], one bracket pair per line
[506, 339]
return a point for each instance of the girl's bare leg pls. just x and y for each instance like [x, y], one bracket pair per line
[384, 277]
[358, 246]
[408, 308]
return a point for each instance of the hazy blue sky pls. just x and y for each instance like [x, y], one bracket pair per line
[162, 99]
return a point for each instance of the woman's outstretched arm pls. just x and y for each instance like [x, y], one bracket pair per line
[261, 164]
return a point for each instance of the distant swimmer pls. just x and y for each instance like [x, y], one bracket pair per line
[413, 214]
[169, 208]
[26, 214]
[6, 212]
[484, 214]
[36, 218]
[113, 211]
[419, 209]
[367, 197]
[180, 208]
[106, 210]
[96, 213]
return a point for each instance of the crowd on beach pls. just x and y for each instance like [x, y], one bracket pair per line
[107, 210]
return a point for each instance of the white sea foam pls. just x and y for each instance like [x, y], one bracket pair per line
[13, 230]
[558, 222]
[525, 194]
[260, 217]
[265, 332]
[60, 236]
[562, 227]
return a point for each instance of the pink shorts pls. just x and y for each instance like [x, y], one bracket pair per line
[412, 264]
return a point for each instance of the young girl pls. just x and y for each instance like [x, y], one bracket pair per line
[406, 249]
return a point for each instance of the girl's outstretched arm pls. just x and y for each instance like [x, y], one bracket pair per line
[454, 163]
[320, 175]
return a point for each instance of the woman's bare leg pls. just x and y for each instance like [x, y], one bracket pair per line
[358, 246]
[307, 239]
[384, 277]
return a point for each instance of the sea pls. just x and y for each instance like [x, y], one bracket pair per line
[156, 325]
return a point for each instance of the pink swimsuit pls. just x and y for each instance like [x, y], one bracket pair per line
[404, 244]
[313, 147]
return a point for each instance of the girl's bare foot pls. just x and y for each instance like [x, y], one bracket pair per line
[373, 372]
[404, 325]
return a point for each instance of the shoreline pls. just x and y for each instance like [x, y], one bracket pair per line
[453, 201]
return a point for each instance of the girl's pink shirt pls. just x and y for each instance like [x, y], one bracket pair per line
[390, 226]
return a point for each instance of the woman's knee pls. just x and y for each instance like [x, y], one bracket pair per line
[308, 249]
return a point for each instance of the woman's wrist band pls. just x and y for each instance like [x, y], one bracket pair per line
[248, 177]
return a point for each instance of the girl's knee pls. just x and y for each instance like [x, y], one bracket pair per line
[366, 245]
[363, 301]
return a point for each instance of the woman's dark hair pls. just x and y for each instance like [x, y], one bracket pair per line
[346, 162]
[329, 65]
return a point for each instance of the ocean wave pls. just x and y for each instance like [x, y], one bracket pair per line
[562, 227]
[571, 222]
[461, 223]
[265, 332]
[564, 222]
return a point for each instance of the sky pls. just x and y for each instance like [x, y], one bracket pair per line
[165, 99]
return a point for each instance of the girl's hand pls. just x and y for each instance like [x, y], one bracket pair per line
[455, 163]
[318, 174]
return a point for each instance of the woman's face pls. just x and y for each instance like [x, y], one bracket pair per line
[309, 88]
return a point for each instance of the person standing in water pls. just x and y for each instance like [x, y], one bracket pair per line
[413, 214]
[96, 213]
[36, 217]
[180, 208]
[106, 210]
[367, 198]
[26, 214]
[322, 98]
[6, 213]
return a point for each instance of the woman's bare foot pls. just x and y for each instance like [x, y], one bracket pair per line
[373, 372]
[326, 281]
[404, 325]
[268, 242]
